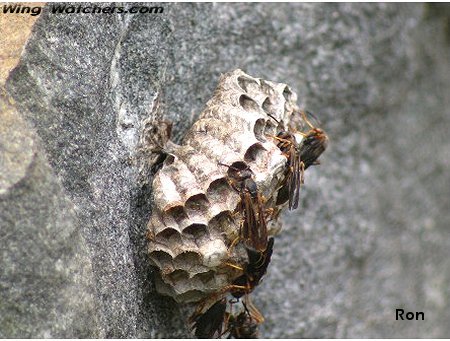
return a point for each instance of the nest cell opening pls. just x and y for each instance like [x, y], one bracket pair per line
[248, 103]
[187, 259]
[247, 83]
[267, 89]
[178, 276]
[218, 190]
[168, 234]
[271, 128]
[220, 221]
[198, 231]
[287, 94]
[161, 258]
[197, 203]
[268, 107]
[254, 153]
[258, 130]
[205, 277]
[177, 212]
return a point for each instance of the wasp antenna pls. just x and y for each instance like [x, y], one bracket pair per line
[303, 113]
[273, 118]
[310, 114]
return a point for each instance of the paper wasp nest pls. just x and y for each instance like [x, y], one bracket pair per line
[193, 220]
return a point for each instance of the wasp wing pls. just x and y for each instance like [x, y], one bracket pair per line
[294, 180]
[210, 323]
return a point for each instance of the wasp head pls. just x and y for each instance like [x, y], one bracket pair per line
[312, 146]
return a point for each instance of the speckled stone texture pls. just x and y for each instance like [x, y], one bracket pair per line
[372, 234]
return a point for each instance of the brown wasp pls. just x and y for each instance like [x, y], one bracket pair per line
[217, 322]
[259, 250]
[254, 270]
[211, 323]
[254, 229]
[245, 324]
[299, 157]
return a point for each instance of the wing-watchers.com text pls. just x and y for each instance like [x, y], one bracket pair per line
[70, 9]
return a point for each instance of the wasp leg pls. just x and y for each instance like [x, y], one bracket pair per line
[252, 310]
[234, 266]
[233, 245]
[268, 212]
[302, 172]
[279, 138]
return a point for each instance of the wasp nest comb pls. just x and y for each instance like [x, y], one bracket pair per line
[196, 216]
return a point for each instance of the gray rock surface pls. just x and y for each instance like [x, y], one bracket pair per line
[372, 234]
[46, 282]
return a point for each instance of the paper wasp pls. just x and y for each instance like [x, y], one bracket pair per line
[217, 322]
[244, 325]
[210, 323]
[254, 229]
[254, 270]
[259, 250]
[299, 157]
